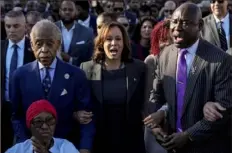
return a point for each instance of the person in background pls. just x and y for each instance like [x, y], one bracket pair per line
[160, 38]
[167, 10]
[50, 78]
[154, 11]
[118, 110]
[15, 52]
[77, 40]
[124, 21]
[41, 119]
[141, 38]
[144, 10]
[84, 17]
[217, 28]
[31, 6]
[104, 18]
[32, 18]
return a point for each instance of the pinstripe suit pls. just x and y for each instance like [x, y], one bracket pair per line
[210, 79]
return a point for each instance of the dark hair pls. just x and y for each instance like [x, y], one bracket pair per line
[145, 8]
[84, 4]
[136, 36]
[14, 14]
[99, 53]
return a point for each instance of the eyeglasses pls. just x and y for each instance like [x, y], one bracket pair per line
[40, 123]
[219, 1]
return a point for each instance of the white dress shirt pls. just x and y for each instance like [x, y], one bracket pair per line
[226, 26]
[59, 146]
[51, 70]
[67, 36]
[85, 23]
[9, 53]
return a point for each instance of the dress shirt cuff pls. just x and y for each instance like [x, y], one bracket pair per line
[165, 109]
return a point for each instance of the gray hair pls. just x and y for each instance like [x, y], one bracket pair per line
[47, 25]
[15, 14]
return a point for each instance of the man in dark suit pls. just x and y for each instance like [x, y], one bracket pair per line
[84, 17]
[191, 72]
[15, 52]
[77, 40]
[64, 85]
[218, 25]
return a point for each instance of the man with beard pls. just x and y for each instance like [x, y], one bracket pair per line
[84, 17]
[191, 72]
[64, 85]
[77, 40]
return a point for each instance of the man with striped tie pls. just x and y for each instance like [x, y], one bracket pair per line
[64, 85]
[192, 72]
[218, 25]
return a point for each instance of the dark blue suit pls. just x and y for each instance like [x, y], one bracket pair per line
[27, 87]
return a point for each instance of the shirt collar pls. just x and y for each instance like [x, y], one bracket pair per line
[63, 27]
[20, 44]
[226, 18]
[86, 22]
[192, 49]
[52, 66]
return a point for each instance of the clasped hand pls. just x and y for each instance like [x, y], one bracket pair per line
[171, 142]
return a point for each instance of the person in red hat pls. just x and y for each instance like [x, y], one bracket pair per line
[41, 119]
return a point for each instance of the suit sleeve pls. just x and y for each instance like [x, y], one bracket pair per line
[17, 114]
[84, 103]
[204, 129]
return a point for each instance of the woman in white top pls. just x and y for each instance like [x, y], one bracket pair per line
[41, 119]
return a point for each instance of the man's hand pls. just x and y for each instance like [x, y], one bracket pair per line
[154, 119]
[65, 56]
[38, 147]
[83, 117]
[84, 151]
[176, 141]
[159, 134]
[211, 111]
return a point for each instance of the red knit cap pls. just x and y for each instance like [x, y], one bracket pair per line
[38, 107]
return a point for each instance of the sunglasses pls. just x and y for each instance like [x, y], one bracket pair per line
[40, 123]
[219, 1]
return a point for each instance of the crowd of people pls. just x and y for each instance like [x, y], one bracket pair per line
[66, 63]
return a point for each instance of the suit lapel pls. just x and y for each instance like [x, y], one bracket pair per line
[73, 41]
[196, 68]
[36, 74]
[171, 73]
[214, 31]
[132, 79]
[58, 83]
[96, 78]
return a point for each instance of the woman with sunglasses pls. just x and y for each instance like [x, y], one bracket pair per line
[41, 119]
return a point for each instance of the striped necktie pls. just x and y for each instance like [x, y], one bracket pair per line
[14, 60]
[222, 36]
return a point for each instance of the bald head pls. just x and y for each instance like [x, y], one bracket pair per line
[191, 9]
[46, 27]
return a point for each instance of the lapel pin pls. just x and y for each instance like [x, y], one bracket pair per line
[135, 79]
[66, 76]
